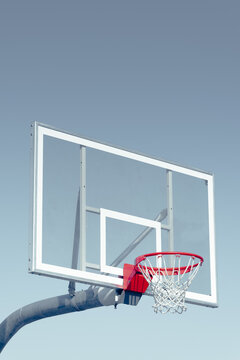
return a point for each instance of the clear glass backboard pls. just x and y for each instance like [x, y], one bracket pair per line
[96, 207]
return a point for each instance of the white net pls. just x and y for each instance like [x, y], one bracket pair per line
[169, 284]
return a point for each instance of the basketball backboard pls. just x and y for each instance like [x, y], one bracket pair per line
[96, 207]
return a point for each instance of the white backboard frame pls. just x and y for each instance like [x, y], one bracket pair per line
[36, 265]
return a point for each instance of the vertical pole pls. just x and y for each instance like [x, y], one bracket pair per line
[82, 250]
[170, 210]
[71, 286]
[79, 244]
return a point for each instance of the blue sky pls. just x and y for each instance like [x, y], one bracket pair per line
[161, 78]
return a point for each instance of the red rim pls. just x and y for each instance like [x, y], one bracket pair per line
[170, 270]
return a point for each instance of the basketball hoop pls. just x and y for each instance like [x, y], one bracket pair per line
[169, 275]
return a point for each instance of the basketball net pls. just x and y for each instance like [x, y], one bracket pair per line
[169, 285]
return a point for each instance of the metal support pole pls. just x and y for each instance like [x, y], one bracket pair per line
[79, 244]
[170, 210]
[82, 250]
[75, 252]
[83, 300]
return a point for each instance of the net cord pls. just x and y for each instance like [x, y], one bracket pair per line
[168, 289]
